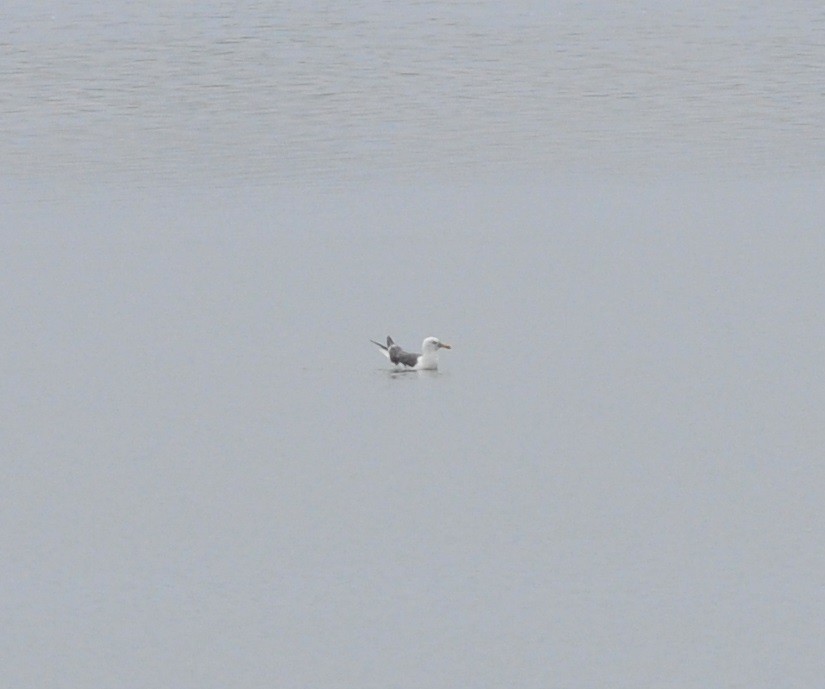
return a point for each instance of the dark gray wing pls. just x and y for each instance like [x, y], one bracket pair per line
[379, 344]
[399, 356]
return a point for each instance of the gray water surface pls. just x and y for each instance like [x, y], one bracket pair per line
[267, 93]
[211, 478]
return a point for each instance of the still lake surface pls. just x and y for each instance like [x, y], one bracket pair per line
[615, 215]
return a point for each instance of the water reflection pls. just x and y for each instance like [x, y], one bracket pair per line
[411, 374]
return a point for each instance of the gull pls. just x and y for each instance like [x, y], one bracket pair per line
[426, 361]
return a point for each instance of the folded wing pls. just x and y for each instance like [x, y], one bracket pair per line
[399, 356]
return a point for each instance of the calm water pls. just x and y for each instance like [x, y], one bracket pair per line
[211, 478]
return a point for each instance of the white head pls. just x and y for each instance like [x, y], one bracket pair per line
[429, 353]
[433, 344]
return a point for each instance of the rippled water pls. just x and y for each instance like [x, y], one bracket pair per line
[210, 477]
[268, 93]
